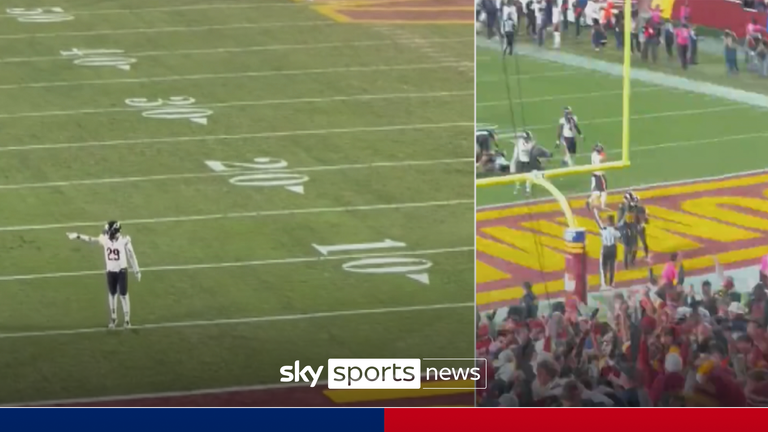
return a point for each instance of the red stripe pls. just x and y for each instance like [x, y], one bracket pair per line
[459, 419]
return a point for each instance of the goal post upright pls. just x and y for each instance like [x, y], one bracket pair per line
[626, 84]
[576, 280]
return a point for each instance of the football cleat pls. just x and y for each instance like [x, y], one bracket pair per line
[127, 324]
[112, 324]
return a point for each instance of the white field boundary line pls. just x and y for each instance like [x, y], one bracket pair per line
[240, 49]
[230, 75]
[237, 389]
[179, 8]
[633, 188]
[240, 264]
[234, 173]
[577, 95]
[254, 103]
[263, 213]
[241, 136]
[289, 25]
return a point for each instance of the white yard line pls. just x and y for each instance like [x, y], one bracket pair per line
[248, 320]
[237, 49]
[287, 25]
[425, 47]
[240, 264]
[220, 390]
[252, 103]
[228, 75]
[233, 172]
[577, 95]
[202, 392]
[687, 143]
[241, 136]
[641, 116]
[262, 213]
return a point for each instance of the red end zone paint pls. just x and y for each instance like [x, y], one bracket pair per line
[727, 218]
[399, 11]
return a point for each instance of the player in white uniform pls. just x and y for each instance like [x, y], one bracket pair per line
[599, 196]
[522, 158]
[508, 27]
[557, 11]
[118, 254]
[566, 135]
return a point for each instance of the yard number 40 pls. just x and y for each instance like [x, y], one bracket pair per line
[414, 268]
[39, 15]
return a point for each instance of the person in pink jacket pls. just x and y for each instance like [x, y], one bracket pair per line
[683, 39]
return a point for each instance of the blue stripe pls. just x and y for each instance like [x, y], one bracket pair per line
[194, 420]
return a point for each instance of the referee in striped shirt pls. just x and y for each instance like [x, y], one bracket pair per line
[609, 235]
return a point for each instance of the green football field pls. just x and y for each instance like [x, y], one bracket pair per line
[229, 139]
[675, 134]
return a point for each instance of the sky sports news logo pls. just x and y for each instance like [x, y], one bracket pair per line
[390, 374]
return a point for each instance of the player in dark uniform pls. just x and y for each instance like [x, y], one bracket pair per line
[632, 220]
[485, 142]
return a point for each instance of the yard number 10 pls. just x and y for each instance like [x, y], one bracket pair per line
[414, 268]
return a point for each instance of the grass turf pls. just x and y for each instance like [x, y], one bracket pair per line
[283, 82]
[675, 135]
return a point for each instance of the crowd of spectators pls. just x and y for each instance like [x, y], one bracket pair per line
[650, 31]
[663, 344]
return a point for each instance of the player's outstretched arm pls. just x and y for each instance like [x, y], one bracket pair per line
[85, 238]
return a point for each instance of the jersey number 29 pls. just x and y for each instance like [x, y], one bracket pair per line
[113, 254]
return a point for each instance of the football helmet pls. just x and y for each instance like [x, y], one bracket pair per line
[112, 229]
[631, 199]
[527, 136]
[599, 148]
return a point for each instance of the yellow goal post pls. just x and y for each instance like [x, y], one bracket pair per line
[541, 178]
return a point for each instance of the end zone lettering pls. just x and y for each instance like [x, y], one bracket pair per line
[725, 217]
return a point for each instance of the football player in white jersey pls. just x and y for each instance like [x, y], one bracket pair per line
[557, 9]
[522, 158]
[118, 254]
[599, 196]
[566, 135]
